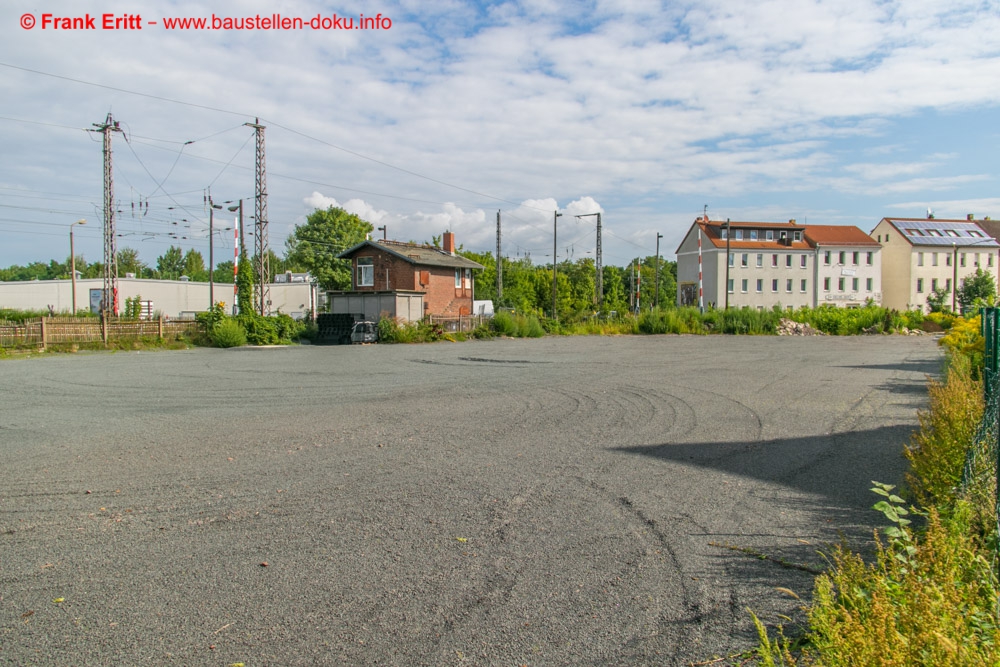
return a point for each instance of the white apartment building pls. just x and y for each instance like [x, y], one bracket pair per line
[746, 264]
[848, 266]
[921, 255]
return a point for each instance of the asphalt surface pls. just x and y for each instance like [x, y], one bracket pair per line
[561, 501]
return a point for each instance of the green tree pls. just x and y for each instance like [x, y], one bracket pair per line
[194, 266]
[979, 285]
[128, 262]
[223, 272]
[170, 264]
[316, 244]
[244, 285]
[937, 300]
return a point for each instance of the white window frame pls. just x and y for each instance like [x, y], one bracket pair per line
[366, 272]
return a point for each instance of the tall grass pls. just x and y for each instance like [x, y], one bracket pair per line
[937, 451]
[930, 597]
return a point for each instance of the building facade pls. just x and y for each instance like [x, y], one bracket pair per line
[848, 266]
[746, 264]
[920, 256]
[445, 279]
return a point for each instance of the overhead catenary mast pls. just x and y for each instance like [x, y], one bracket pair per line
[109, 299]
[262, 296]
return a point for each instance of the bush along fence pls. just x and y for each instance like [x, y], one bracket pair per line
[981, 474]
[45, 331]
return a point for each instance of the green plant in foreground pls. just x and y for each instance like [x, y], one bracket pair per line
[228, 333]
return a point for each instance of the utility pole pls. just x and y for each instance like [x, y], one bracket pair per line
[499, 263]
[109, 300]
[728, 235]
[555, 219]
[212, 206]
[656, 297]
[263, 296]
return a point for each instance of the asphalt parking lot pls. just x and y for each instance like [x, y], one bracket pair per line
[560, 501]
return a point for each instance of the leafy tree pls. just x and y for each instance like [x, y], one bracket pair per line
[194, 266]
[244, 285]
[316, 244]
[170, 264]
[128, 262]
[937, 300]
[223, 272]
[979, 285]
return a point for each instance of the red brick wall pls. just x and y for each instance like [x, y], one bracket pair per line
[442, 297]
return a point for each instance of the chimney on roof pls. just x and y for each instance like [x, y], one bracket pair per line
[970, 217]
[791, 221]
[448, 241]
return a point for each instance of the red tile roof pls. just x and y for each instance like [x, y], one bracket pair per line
[825, 235]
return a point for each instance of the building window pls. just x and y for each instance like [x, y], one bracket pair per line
[947, 260]
[769, 235]
[842, 257]
[739, 234]
[729, 286]
[788, 261]
[744, 259]
[826, 258]
[854, 284]
[976, 264]
[803, 261]
[458, 278]
[947, 285]
[961, 260]
[753, 234]
[760, 260]
[826, 284]
[920, 259]
[788, 285]
[743, 285]
[840, 284]
[732, 259]
[366, 272]
[774, 260]
[920, 285]
[468, 279]
[934, 284]
[723, 234]
[934, 259]
[774, 284]
[868, 284]
[798, 236]
[854, 257]
[802, 285]
[760, 285]
[868, 258]
[989, 260]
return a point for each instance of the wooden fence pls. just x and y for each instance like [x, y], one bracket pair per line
[45, 331]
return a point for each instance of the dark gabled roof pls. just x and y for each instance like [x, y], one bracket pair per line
[423, 255]
[934, 232]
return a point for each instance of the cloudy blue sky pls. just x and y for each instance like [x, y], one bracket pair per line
[830, 112]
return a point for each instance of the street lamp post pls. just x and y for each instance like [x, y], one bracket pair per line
[656, 297]
[555, 220]
[72, 260]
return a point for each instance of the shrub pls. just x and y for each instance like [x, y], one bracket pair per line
[259, 330]
[531, 327]
[926, 601]
[937, 451]
[228, 333]
[503, 323]
[964, 339]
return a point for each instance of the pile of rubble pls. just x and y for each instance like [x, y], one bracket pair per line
[790, 328]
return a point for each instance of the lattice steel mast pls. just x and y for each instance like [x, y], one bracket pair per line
[109, 299]
[262, 297]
